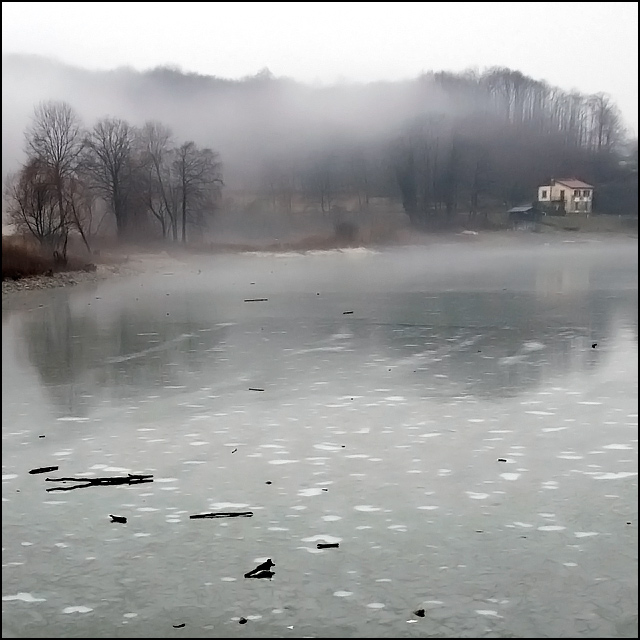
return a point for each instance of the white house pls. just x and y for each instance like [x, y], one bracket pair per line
[570, 194]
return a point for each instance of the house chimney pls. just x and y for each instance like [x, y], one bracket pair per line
[552, 182]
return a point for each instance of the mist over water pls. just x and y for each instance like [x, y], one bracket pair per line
[460, 419]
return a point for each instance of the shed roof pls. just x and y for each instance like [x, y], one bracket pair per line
[521, 208]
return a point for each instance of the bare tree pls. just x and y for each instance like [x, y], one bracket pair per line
[606, 123]
[359, 178]
[404, 164]
[33, 206]
[321, 179]
[54, 142]
[108, 160]
[198, 176]
[156, 154]
[80, 202]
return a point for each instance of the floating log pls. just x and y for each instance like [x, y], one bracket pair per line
[120, 519]
[261, 570]
[261, 574]
[44, 469]
[347, 313]
[255, 389]
[256, 299]
[95, 482]
[223, 514]
[328, 545]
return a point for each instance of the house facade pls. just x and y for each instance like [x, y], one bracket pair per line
[569, 194]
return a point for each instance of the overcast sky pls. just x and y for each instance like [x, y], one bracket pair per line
[591, 46]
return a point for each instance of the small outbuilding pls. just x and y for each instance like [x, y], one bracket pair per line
[523, 216]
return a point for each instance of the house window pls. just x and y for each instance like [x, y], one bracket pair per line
[586, 193]
[543, 194]
[576, 193]
[562, 194]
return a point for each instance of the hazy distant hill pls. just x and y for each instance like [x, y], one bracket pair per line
[245, 120]
[442, 141]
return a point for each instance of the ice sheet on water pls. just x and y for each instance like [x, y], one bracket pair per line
[23, 597]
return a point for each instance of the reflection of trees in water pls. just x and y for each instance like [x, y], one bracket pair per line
[77, 355]
[450, 343]
[487, 344]
[500, 344]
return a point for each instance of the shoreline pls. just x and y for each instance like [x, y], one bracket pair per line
[60, 279]
[137, 261]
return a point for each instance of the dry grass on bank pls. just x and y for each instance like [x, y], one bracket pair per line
[593, 223]
[345, 235]
[22, 258]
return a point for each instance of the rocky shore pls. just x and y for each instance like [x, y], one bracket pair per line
[115, 265]
[61, 279]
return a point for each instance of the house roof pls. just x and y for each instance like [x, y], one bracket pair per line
[523, 208]
[574, 183]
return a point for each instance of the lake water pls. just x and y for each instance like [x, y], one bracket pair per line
[461, 419]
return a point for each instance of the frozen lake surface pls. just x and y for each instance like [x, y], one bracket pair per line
[461, 419]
